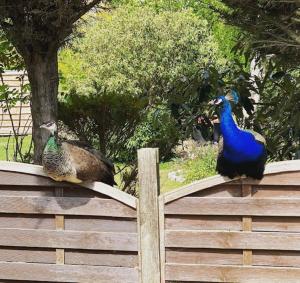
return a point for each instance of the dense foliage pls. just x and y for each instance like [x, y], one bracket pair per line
[269, 27]
[139, 53]
[101, 119]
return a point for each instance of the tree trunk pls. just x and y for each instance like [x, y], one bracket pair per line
[43, 78]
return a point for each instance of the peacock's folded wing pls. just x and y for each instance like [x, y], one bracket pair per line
[258, 137]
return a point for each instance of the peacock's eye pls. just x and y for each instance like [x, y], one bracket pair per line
[218, 101]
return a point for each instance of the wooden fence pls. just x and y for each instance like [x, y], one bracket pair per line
[217, 230]
[19, 117]
[58, 232]
[214, 230]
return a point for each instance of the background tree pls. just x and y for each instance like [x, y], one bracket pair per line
[37, 28]
[269, 27]
[138, 52]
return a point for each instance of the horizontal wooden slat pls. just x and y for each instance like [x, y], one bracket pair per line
[67, 273]
[281, 191]
[65, 206]
[21, 128]
[235, 206]
[26, 191]
[16, 110]
[276, 258]
[17, 179]
[200, 222]
[101, 258]
[5, 123]
[13, 74]
[88, 223]
[82, 192]
[27, 221]
[276, 224]
[204, 256]
[27, 255]
[15, 117]
[9, 132]
[283, 178]
[223, 273]
[68, 239]
[13, 85]
[233, 240]
[38, 191]
[223, 190]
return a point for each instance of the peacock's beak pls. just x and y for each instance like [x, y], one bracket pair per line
[216, 101]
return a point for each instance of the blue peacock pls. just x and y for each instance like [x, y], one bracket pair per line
[242, 152]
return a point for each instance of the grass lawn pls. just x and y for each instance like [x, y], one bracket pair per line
[200, 166]
[165, 183]
[11, 147]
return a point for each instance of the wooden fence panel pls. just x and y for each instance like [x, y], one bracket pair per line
[20, 114]
[60, 232]
[215, 230]
[218, 230]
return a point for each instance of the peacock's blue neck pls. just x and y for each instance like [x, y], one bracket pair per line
[239, 146]
[229, 128]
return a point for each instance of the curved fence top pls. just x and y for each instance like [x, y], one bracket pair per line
[272, 168]
[99, 187]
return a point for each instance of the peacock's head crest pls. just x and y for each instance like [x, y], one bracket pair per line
[233, 96]
[50, 126]
[224, 100]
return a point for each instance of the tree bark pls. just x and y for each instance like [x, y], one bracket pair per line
[43, 77]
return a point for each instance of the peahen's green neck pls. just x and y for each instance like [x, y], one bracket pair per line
[51, 144]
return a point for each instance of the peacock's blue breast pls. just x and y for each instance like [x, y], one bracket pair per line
[242, 147]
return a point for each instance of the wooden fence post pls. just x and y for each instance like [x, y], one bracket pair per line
[148, 215]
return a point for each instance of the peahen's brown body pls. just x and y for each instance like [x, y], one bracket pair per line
[75, 162]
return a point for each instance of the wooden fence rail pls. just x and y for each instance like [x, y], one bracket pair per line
[213, 230]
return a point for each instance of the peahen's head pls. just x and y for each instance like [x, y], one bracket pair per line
[50, 126]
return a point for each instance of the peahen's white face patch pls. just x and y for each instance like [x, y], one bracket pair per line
[50, 126]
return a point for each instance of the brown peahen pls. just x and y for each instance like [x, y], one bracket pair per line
[73, 161]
